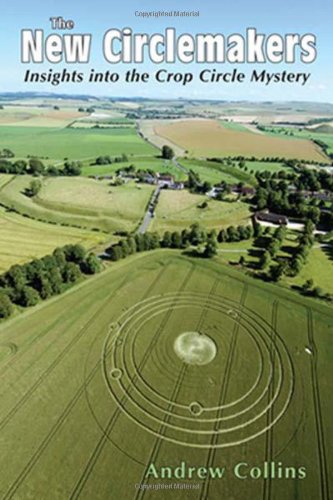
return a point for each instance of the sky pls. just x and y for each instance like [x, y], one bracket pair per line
[216, 16]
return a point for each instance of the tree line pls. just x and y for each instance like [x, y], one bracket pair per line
[194, 236]
[35, 166]
[26, 284]
[292, 266]
[108, 160]
[289, 162]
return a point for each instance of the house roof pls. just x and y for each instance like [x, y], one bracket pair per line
[165, 178]
[271, 217]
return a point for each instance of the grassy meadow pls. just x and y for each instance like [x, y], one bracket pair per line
[81, 202]
[91, 400]
[179, 209]
[215, 172]
[261, 166]
[317, 268]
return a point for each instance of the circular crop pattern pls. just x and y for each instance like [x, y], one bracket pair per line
[8, 349]
[197, 370]
[195, 348]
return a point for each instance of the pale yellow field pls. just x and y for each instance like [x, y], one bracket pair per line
[28, 116]
[209, 138]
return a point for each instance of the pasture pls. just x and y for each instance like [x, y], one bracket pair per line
[81, 202]
[210, 138]
[95, 388]
[179, 209]
[215, 172]
[72, 143]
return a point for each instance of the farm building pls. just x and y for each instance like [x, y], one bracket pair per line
[148, 178]
[127, 175]
[165, 180]
[271, 217]
[177, 185]
[318, 195]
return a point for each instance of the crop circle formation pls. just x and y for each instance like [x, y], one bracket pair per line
[195, 348]
[190, 387]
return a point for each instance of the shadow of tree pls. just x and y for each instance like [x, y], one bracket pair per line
[288, 249]
[328, 250]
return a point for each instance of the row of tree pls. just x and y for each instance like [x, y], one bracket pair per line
[273, 247]
[35, 166]
[108, 160]
[194, 236]
[309, 288]
[289, 267]
[232, 234]
[27, 284]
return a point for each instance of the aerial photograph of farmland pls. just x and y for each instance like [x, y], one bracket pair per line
[166, 250]
[166, 298]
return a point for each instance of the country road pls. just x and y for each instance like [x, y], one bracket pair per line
[178, 165]
[151, 208]
[150, 212]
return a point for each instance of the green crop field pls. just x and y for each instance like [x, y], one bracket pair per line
[161, 360]
[81, 202]
[179, 209]
[24, 239]
[72, 143]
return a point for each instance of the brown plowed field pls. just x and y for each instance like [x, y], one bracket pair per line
[209, 138]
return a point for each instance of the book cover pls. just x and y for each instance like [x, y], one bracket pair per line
[166, 246]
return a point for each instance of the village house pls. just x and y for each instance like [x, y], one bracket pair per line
[126, 175]
[165, 180]
[162, 180]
